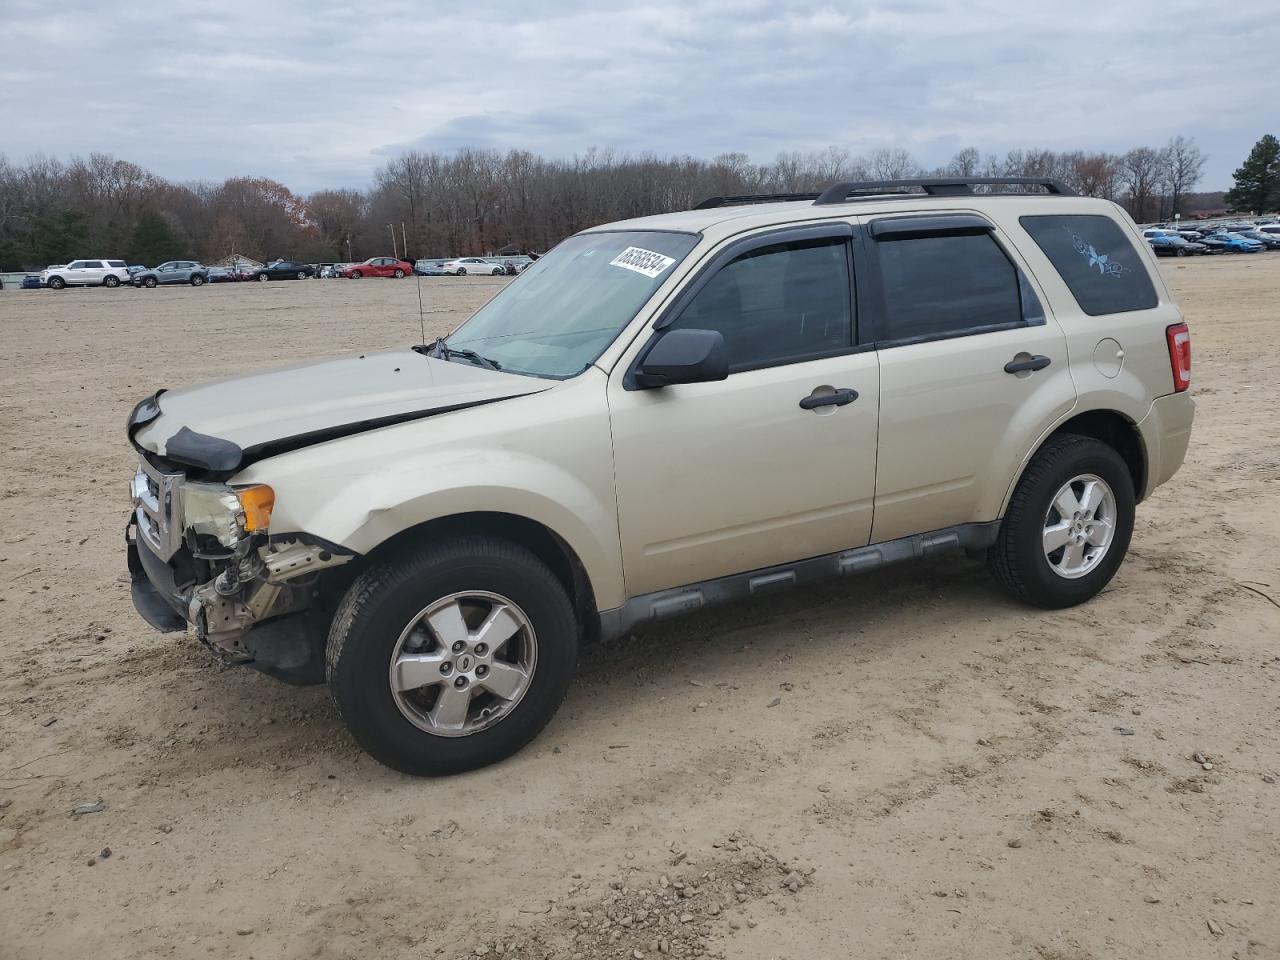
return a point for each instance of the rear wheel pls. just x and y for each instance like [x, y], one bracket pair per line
[263, 277]
[399, 273]
[453, 656]
[111, 280]
[1068, 525]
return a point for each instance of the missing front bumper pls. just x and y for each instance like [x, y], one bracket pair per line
[269, 628]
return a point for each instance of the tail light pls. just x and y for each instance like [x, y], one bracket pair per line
[1179, 338]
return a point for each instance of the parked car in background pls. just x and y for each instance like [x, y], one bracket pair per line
[173, 271]
[331, 271]
[222, 275]
[1171, 245]
[1236, 243]
[1270, 241]
[429, 268]
[378, 267]
[86, 273]
[473, 265]
[283, 270]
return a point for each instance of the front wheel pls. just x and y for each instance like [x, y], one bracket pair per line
[56, 283]
[196, 279]
[497, 272]
[462, 272]
[302, 274]
[149, 282]
[453, 656]
[1068, 525]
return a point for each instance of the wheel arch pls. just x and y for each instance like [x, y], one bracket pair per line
[534, 536]
[1107, 426]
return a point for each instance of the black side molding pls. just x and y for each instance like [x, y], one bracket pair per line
[740, 586]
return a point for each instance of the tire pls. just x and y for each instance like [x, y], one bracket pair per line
[373, 623]
[1181, 252]
[356, 274]
[398, 274]
[56, 283]
[196, 280]
[1019, 560]
[150, 282]
[263, 278]
[497, 273]
[111, 280]
[462, 272]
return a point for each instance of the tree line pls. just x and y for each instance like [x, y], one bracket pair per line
[479, 201]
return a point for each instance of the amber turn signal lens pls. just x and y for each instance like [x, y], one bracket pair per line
[256, 502]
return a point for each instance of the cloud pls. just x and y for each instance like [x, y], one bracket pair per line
[321, 94]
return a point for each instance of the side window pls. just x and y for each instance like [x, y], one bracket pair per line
[950, 285]
[93, 264]
[778, 304]
[77, 265]
[1096, 261]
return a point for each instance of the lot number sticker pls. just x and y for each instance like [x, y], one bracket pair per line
[642, 261]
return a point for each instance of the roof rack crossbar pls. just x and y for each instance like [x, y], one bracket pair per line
[712, 202]
[935, 187]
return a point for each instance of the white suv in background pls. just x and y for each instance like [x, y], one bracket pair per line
[86, 273]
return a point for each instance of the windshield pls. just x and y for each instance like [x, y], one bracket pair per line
[566, 308]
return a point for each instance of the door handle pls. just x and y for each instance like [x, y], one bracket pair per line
[837, 398]
[1029, 363]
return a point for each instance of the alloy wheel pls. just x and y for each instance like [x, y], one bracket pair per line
[463, 663]
[1079, 526]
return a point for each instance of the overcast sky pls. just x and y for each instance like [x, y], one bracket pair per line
[319, 94]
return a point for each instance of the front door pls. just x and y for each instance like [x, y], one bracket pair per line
[775, 463]
[972, 370]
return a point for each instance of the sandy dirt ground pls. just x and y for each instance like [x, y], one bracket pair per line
[905, 765]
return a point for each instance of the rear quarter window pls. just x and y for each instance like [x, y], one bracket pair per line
[1096, 260]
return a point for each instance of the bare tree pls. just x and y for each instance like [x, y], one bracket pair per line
[1183, 167]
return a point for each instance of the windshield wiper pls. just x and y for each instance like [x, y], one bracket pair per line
[445, 352]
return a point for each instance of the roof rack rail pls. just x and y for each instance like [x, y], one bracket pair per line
[934, 187]
[712, 202]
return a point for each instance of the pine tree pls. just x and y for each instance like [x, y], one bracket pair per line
[153, 240]
[1257, 186]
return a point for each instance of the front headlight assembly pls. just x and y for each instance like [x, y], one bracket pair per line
[218, 518]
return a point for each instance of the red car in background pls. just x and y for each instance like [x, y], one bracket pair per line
[378, 267]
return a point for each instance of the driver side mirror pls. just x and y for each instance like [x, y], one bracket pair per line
[684, 356]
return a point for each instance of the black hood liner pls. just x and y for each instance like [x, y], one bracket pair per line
[219, 459]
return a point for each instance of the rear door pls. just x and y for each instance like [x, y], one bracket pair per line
[775, 463]
[972, 370]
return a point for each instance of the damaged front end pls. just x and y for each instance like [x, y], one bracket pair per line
[201, 553]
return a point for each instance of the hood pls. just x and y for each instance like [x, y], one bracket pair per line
[225, 425]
